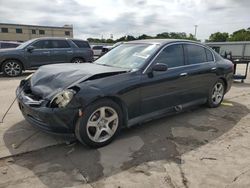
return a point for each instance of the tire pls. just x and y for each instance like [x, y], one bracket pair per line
[12, 68]
[100, 123]
[216, 94]
[77, 60]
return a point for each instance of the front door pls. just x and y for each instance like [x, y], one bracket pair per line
[162, 90]
[40, 55]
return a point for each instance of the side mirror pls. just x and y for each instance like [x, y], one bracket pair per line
[30, 48]
[160, 67]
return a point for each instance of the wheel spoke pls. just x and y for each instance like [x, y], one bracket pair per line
[109, 131]
[92, 124]
[214, 95]
[219, 88]
[102, 112]
[97, 134]
[111, 118]
[218, 98]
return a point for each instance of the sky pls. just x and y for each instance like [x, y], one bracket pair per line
[97, 18]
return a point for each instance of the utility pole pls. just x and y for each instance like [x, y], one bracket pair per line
[195, 30]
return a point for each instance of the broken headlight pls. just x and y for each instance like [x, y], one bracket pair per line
[62, 99]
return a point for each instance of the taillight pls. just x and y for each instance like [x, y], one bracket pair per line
[232, 66]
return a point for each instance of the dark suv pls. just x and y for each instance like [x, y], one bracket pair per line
[44, 51]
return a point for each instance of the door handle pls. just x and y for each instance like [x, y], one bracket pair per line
[183, 74]
[213, 69]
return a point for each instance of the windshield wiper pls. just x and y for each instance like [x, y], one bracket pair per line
[104, 65]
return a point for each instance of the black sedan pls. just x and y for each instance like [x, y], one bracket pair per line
[135, 82]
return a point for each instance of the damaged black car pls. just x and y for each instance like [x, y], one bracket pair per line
[135, 82]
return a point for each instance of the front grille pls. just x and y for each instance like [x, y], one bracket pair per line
[28, 92]
[30, 98]
[33, 96]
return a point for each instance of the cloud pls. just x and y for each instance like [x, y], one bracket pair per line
[94, 18]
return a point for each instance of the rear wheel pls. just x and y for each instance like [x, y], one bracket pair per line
[12, 68]
[100, 123]
[216, 94]
[77, 60]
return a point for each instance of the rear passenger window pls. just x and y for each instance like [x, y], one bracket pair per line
[172, 56]
[59, 44]
[195, 54]
[81, 44]
[209, 55]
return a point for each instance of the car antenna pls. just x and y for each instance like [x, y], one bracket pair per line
[5, 114]
[8, 110]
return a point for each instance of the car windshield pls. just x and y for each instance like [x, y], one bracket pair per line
[131, 56]
[23, 45]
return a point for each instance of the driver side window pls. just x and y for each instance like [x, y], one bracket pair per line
[42, 44]
[172, 56]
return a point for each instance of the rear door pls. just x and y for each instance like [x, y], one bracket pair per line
[60, 51]
[200, 72]
[84, 50]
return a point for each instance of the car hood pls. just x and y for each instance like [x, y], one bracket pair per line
[8, 50]
[51, 79]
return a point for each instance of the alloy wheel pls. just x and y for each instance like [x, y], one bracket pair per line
[12, 68]
[102, 124]
[218, 92]
[78, 61]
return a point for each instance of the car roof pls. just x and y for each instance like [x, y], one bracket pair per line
[160, 41]
[59, 38]
[12, 42]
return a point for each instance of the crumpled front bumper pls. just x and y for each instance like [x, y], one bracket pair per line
[56, 120]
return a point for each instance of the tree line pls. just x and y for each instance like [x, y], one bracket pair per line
[239, 35]
[164, 35]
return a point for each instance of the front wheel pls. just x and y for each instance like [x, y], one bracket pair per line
[216, 94]
[100, 123]
[77, 60]
[12, 68]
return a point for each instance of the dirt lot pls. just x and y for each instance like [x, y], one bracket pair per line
[197, 148]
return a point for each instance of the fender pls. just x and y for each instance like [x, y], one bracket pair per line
[15, 56]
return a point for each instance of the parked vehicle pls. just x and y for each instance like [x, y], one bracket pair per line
[106, 49]
[135, 82]
[97, 50]
[43, 51]
[9, 44]
[237, 52]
